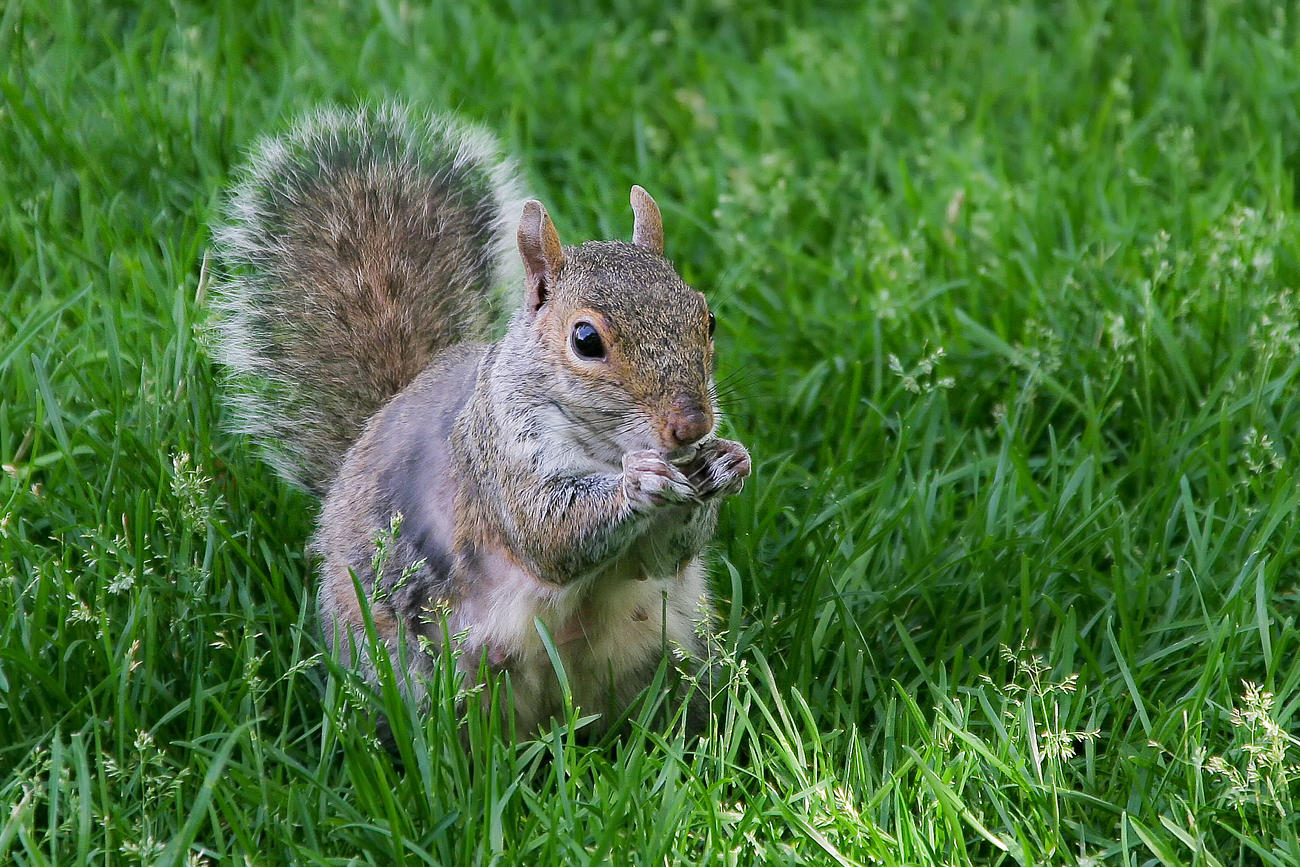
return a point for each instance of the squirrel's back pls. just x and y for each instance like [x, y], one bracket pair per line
[354, 248]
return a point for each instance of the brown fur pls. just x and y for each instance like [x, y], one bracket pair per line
[354, 250]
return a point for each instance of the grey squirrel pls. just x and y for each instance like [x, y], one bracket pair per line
[568, 473]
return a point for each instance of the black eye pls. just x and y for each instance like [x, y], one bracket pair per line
[587, 342]
[713, 323]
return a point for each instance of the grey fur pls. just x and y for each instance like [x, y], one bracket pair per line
[534, 483]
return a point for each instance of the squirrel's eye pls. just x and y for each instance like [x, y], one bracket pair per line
[713, 323]
[587, 342]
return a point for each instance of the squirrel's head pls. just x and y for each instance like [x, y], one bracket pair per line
[630, 344]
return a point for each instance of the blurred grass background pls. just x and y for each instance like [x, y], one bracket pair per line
[1007, 317]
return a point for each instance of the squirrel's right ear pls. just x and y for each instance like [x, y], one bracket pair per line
[539, 246]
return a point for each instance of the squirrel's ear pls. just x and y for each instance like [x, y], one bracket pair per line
[539, 246]
[647, 226]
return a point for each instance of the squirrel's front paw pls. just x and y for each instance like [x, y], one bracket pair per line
[719, 470]
[649, 480]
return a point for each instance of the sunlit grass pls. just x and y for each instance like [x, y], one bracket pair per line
[1007, 317]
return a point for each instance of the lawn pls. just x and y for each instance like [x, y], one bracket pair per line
[1007, 316]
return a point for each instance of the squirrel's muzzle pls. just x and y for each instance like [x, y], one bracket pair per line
[687, 422]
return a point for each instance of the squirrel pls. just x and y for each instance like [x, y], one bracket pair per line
[568, 474]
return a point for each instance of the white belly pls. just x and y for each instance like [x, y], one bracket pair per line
[610, 631]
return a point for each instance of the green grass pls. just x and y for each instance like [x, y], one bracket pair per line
[1008, 318]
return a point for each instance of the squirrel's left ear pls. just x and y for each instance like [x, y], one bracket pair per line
[647, 225]
[540, 248]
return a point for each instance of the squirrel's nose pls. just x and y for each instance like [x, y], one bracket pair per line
[688, 422]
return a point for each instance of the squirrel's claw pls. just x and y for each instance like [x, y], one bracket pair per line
[721, 469]
[649, 480]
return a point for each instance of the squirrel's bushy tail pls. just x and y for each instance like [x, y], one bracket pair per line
[353, 249]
